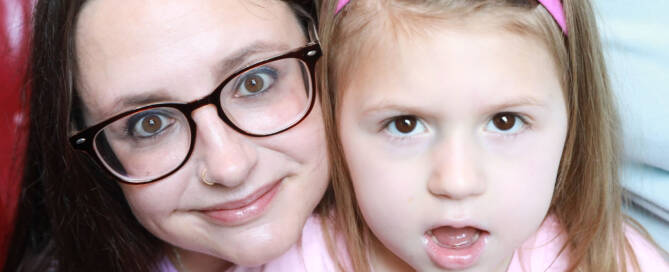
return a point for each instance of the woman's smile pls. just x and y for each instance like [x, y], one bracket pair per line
[243, 210]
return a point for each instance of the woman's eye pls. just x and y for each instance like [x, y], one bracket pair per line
[505, 122]
[255, 82]
[405, 126]
[150, 125]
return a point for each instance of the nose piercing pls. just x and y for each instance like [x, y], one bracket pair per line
[205, 179]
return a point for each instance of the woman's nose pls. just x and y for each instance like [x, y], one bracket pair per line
[457, 172]
[227, 156]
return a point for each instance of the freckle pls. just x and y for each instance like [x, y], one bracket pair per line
[410, 199]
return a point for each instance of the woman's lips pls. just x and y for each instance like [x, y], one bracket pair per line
[246, 209]
[455, 248]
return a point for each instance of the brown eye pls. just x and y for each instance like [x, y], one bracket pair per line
[504, 121]
[404, 124]
[254, 83]
[148, 124]
[151, 124]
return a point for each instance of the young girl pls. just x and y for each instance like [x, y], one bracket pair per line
[475, 136]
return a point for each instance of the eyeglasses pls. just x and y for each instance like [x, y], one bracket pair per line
[154, 141]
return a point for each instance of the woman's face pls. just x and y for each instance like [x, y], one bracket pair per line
[133, 53]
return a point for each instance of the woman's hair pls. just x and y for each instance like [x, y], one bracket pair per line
[72, 215]
[587, 197]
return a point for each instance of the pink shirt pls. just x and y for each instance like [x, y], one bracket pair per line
[308, 254]
[538, 253]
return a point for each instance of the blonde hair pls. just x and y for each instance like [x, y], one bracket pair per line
[587, 198]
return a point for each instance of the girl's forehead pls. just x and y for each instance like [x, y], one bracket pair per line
[173, 49]
[485, 67]
[453, 50]
[387, 41]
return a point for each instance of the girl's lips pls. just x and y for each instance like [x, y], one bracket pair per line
[455, 248]
[243, 210]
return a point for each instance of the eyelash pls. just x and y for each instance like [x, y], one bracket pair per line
[273, 73]
[385, 126]
[135, 119]
[525, 125]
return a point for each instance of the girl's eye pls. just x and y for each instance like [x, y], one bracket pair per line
[505, 122]
[405, 126]
[256, 82]
[149, 125]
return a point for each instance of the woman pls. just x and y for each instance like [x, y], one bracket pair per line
[181, 133]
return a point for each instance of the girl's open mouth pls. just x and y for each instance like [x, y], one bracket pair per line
[455, 248]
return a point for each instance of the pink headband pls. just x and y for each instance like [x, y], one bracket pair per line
[554, 7]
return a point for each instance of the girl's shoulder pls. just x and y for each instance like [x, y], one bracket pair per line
[543, 251]
[647, 254]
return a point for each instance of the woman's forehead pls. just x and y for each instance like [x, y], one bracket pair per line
[131, 23]
[141, 47]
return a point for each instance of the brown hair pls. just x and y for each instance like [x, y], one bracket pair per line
[72, 215]
[587, 198]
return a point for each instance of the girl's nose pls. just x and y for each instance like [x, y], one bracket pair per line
[456, 171]
[227, 156]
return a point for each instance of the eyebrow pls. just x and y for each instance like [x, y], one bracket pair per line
[233, 61]
[389, 107]
[244, 54]
[515, 102]
[123, 103]
[386, 105]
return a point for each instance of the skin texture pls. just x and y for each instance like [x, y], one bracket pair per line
[455, 168]
[173, 51]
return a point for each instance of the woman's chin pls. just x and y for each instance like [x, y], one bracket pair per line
[254, 249]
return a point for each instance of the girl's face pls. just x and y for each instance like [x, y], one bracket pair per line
[453, 143]
[131, 53]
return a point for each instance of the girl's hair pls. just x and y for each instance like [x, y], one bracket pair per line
[587, 197]
[72, 215]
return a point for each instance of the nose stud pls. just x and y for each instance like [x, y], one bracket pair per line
[205, 179]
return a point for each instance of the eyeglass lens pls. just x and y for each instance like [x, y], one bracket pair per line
[151, 143]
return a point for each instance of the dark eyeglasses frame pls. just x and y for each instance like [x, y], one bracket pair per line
[309, 54]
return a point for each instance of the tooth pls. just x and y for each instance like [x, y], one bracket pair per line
[459, 245]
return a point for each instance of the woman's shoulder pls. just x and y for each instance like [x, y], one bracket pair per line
[310, 253]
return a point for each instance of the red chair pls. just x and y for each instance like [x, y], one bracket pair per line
[14, 36]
